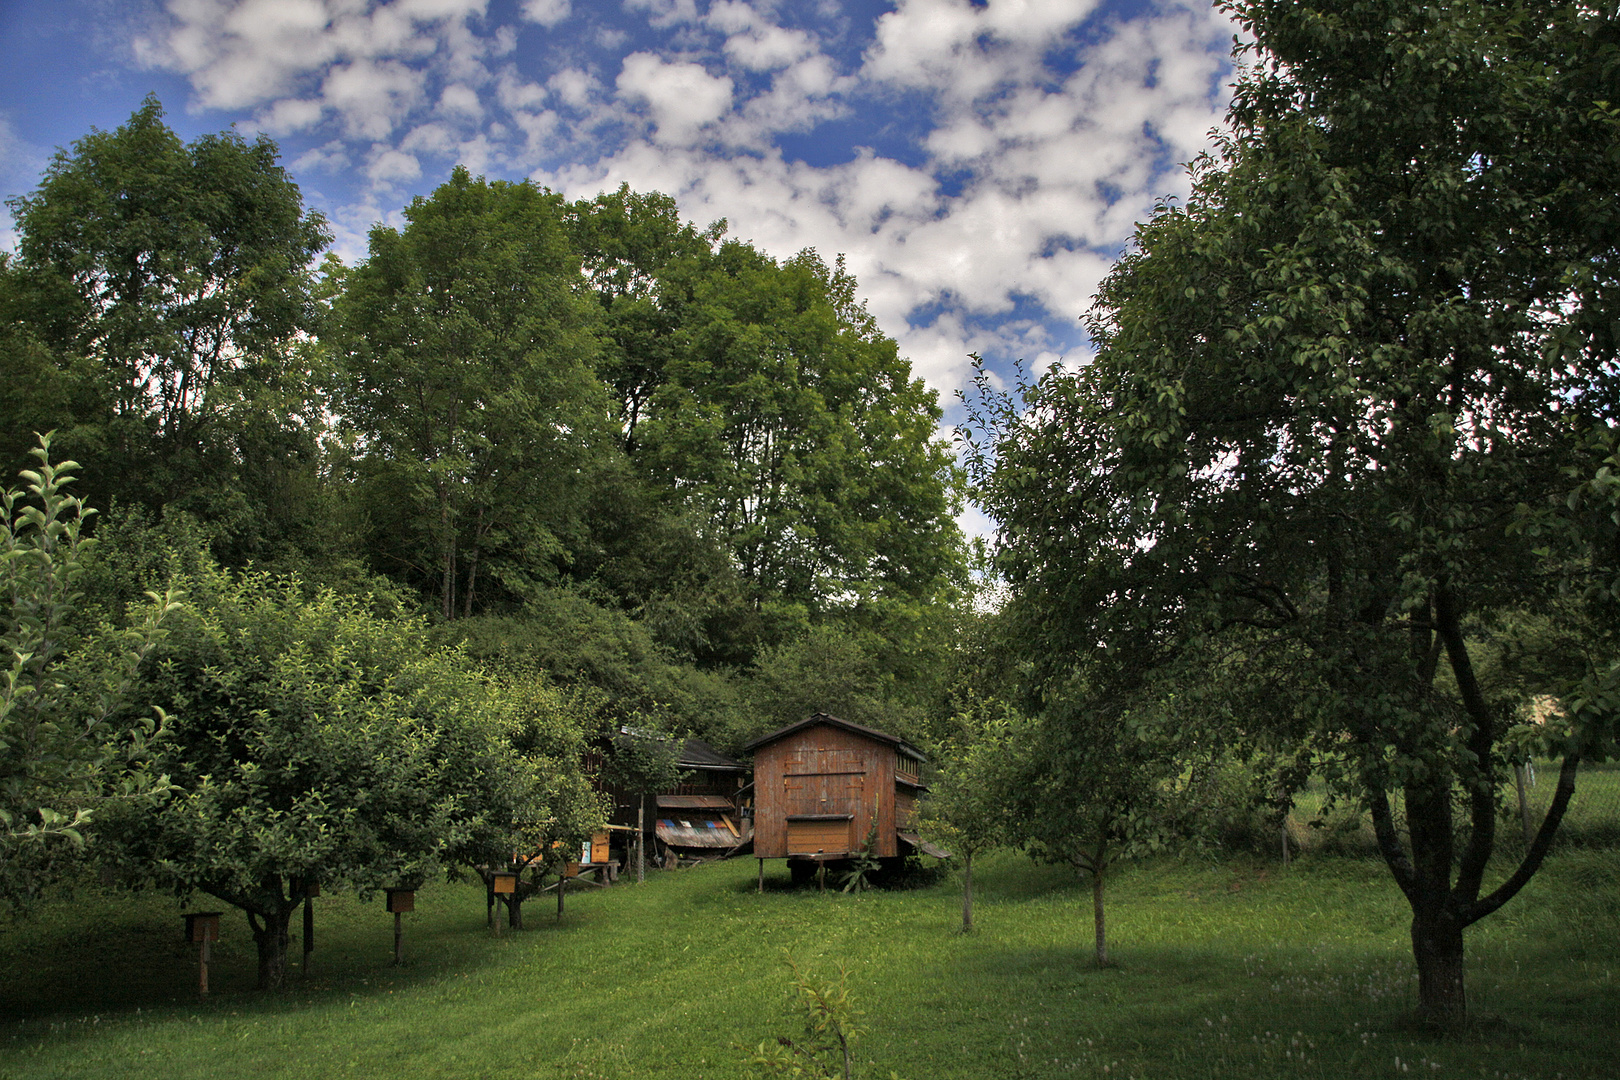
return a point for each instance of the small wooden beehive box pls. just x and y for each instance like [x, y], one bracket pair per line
[400, 900]
[203, 926]
[503, 882]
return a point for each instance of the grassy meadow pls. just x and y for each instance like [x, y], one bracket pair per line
[1234, 969]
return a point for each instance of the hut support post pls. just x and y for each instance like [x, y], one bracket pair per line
[641, 839]
[762, 875]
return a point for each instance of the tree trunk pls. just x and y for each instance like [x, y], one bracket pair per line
[967, 892]
[1098, 921]
[271, 936]
[1437, 945]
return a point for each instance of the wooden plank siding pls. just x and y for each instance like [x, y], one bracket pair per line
[820, 772]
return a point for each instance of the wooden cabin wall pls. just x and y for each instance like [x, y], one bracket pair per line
[823, 770]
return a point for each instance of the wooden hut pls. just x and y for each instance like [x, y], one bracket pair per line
[820, 784]
[701, 817]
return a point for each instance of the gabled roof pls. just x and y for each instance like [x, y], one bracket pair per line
[900, 745]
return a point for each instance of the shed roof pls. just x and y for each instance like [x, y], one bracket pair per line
[694, 753]
[697, 754]
[895, 741]
[697, 833]
[695, 802]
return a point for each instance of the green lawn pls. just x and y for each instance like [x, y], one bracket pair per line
[1230, 970]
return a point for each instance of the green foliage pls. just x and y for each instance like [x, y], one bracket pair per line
[66, 755]
[162, 289]
[792, 425]
[1341, 399]
[865, 865]
[314, 740]
[465, 347]
[831, 1023]
[835, 669]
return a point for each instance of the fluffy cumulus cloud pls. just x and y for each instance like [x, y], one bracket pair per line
[979, 162]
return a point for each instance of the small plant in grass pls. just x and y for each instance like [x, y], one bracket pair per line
[865, 865]
[831, 1023]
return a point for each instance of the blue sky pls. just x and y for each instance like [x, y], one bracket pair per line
[979, 162]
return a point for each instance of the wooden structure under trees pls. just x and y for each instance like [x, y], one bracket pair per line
[698, 816]
[824, 786]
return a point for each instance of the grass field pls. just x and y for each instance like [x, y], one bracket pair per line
[1238, 969]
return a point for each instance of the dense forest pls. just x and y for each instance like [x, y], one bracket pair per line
[344, 573]
[585, 437]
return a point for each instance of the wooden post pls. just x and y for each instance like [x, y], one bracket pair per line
[309, 928]
[762, 875]
[1524, 803]
[203, 928]
[641, 839]
[489, 903]
[562, 885]
[400, 900]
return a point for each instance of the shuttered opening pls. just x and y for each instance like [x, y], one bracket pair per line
[809, 834]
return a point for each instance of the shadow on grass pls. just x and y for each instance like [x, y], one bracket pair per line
[65, 969]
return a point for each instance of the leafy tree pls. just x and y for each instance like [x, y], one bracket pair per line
[314, 740]
[829, 668]
[794, 427]
[64, 757]
[643, 264]
[465, 344]
[971, 800]
[160, 289]
[1340, 401]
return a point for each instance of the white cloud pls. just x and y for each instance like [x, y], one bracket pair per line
[373, 97]
[546, 12]
[682, 97]
[988, 219]
[574, 87]
[289, 115]
[460, 101]
[664, 13]
[392, 167]
[333, 157]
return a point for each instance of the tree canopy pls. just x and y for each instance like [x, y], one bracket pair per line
[1342, 403]
[162, 288]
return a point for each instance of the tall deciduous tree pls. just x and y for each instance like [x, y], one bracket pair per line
[1341, 398]
[169, 282]
[794, 426]
[466, 344]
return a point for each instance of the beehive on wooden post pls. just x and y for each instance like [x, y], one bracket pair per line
[202, 929]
